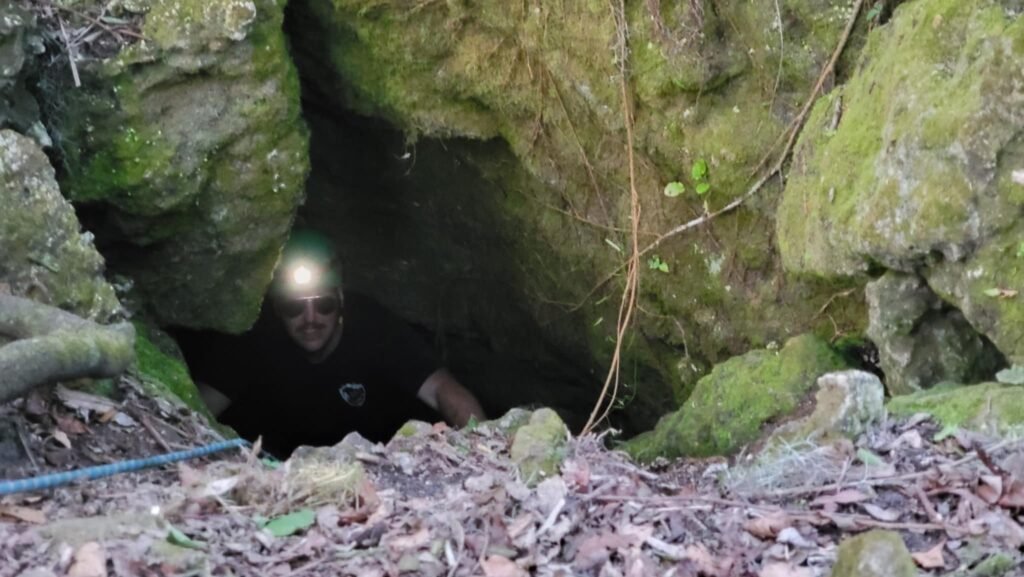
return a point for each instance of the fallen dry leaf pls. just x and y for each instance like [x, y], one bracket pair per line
[844, 497]
[990, 488]
[881, 513]
[23, 514]
[414, 541]
[61, 437]
[596, 549]
[932, 558]
[498, 566]
[1013, 496]
[768, 526]
[790, 536]
[785, 570]
[90, 560]
[70, 425]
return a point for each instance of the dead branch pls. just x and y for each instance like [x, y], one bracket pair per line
[52, 345]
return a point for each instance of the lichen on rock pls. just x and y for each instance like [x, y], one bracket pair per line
[874, 554]
[731, 407]
[538, 447]
[46, 256]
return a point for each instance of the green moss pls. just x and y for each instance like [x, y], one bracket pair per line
[874, 554]
[163, 374]
[730, 406]
[888, 184]
[989, 407]
[538, 447]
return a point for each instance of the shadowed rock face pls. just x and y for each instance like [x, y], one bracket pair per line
[922, 340]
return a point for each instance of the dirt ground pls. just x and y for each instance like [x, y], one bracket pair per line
[446, 502]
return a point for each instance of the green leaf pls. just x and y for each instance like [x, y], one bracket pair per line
[874, 12]
[674, 189]
[176, 537]
[663, 267]
[699, 171]
[703, 188]
[993, 292]
[946, 432]
[1020, 250]
[291, 523]
[472, 423]
[1011, 376]
[868, 458]
[655, 263]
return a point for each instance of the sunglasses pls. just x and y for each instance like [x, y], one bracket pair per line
[323, 305]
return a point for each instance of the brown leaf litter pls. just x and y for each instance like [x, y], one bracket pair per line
[451, 503]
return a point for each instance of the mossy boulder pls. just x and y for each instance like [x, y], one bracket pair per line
[190, 148]
[991, 408]
[46, 256]
[915, 164]
[731, 407]
[874, 554]
[538, 447]
[921, 339]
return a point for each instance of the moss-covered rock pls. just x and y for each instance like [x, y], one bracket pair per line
[192, 145]
[19, 41]
[538, 447]
[730, 407]
[874, 554]
[921, 339]
[163, 374]
[992, 408]
[45, 254]
[915, 163]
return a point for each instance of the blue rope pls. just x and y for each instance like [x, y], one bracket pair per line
[89, 473]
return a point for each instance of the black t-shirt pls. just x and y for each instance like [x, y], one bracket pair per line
[367, 384]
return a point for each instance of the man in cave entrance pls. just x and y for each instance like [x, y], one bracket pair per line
[322, 362]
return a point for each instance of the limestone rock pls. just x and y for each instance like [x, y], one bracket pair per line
[18, 43]
[190, 148]
[922, 340]
[991, 408]
[729, 407]
[923, 171]
[847, 403]
[45, 254]
[538, 447]
[874, 554]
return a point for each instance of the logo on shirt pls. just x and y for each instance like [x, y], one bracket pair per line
[353, 393]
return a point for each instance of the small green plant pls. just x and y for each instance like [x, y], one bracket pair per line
[655, 263]
[699, 172]
[674, 189]
[875, 12]
[1020, 250]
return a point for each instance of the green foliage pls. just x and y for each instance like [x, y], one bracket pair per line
[875, 12]
[703, 188]
[655, 263]
[1020, 250]
[291, 523]
[674, 189]
[699, 170]
[176, 537]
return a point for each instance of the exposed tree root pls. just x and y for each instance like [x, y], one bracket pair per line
[52, 345]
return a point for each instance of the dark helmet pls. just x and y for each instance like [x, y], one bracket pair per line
[308, 265]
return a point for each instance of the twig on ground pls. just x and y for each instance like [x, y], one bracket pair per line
[71, 52]
[25, 446]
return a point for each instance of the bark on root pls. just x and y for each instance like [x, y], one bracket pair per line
[52, 345]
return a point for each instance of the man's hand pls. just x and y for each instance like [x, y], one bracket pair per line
[445, 395]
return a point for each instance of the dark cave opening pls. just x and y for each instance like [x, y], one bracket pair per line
[417, 228]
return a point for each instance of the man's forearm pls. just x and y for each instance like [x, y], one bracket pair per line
[445, 395]
[457, 405]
